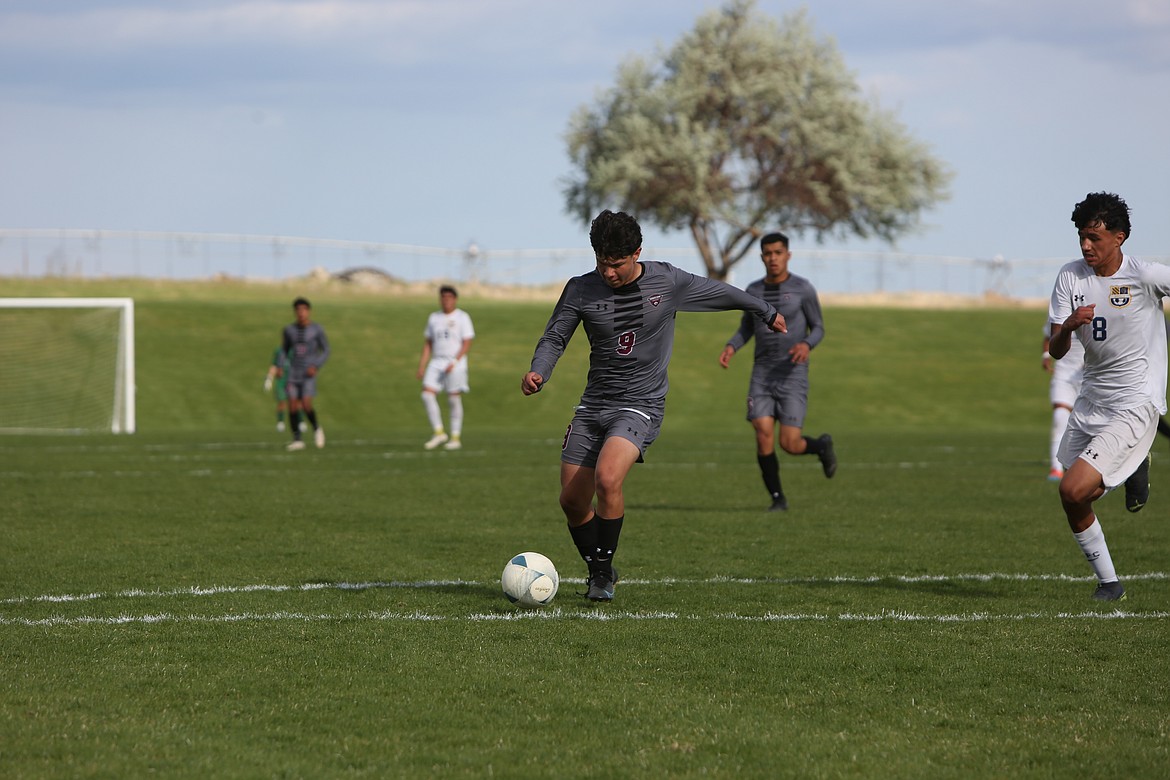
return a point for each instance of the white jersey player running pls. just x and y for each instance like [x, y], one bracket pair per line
[1111, 303]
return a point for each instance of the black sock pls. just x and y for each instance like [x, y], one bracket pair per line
[585, 537]
[812, 446]
[294, 422]
[770, 469]
[608, 532]
[312, 415]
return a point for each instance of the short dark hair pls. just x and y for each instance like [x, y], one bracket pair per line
[772, 238]
[1104, 208]
[446, 288]
[302, 302]
[614, 235]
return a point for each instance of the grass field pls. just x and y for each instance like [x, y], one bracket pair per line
[193, 601]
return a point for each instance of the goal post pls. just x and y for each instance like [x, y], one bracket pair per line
[67, 365]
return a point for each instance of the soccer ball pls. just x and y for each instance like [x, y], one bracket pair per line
[530, 580]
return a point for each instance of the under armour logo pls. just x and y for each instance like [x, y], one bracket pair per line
[1078, 299]
[1090, 453]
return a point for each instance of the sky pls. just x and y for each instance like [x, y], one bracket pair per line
[442, 122]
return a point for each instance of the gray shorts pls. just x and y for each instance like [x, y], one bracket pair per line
[785, 401]
[590, 427]
[305, 387]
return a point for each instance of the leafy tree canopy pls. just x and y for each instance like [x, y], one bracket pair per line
[746, 125]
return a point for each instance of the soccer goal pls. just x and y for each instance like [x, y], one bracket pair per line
[66, 365]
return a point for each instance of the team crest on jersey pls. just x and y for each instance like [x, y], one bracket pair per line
[1119, 296]
[655, 300]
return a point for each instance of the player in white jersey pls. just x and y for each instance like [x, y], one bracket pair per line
[443, 366]
[1063, 389]
[1111, 302]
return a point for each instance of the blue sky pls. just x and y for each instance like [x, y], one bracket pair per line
[438, 122]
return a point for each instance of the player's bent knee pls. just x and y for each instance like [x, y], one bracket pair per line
[1072, 494]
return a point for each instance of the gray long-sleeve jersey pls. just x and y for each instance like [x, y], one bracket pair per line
[631, 329]
[304, 347]
[796, 300]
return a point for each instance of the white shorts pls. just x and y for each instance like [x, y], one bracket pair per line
[436, 378]
[1114, 442]
[1065, 385]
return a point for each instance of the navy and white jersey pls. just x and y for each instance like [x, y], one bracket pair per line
[631, 329]
[305, 346]
[796, 299]
[1125, 343]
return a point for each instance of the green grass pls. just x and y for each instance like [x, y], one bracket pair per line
[193, 601]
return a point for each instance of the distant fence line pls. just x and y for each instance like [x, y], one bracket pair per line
[65, 252]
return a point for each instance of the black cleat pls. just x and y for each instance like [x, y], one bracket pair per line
[828, 456]
[601, 585]
[1137, 487]
[1109, 591]
[779, 504]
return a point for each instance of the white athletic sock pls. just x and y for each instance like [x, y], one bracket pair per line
[432, 406]
[455, 403]
[1060, 417]
[1092, 542]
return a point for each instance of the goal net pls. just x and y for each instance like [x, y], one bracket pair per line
[66, 365]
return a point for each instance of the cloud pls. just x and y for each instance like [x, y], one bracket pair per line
[337, 51]
[1134, 31]
[121, 27]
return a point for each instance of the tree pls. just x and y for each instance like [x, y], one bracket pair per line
[745, 123]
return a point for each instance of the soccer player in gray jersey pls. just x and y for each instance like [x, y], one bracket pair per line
[779, 383]
[306, 347]
[628, 309]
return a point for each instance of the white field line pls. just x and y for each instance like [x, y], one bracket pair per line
[216, 590]
[563, 614]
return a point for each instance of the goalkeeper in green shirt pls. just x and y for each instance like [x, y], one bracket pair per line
[276, 382]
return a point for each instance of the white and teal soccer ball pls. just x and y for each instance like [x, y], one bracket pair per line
[530, 580]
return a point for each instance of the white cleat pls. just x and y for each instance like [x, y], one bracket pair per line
[296, 445]
[454, 444]
[280, 427]
[435, 441]
[319, 437]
